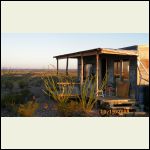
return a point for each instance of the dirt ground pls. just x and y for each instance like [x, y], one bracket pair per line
[20, 87]
[31, 80]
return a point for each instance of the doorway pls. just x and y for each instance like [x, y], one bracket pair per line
[88, 71]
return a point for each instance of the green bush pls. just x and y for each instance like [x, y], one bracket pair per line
[26, 93]
[12, 101]
[16, 98]
[6, 100]
[9, 102]
[8, 84]
[37, 82]
[22, 84]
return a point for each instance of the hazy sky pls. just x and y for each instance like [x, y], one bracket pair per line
[36, 50]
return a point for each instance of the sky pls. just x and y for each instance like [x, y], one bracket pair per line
[36, 50]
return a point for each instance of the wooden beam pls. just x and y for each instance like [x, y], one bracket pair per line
[81, 72]
[99, 70]
[57, 66]
[97, 73]
[78, 54]
[67, 67]
[101, 50]
[106, 71]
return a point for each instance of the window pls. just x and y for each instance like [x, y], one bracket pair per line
[121, 69]
[125, 70]
[117, 69]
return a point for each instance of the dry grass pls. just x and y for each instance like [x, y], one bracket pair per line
[28, 109]
[15, 83]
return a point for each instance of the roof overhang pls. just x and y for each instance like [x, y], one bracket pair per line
[98, 51]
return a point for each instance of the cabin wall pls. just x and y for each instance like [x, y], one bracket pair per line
[133, 77]
[110, 69]
[79, 68]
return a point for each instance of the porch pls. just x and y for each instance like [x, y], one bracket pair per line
[100, 62]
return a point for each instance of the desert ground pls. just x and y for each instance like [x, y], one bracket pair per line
[22, 95]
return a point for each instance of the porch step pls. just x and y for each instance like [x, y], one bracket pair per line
[116, 103]
[119, 102]
[137, 114]
[122, 107]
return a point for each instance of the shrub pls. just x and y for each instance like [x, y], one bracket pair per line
[7, 100]
[23, 84]
[88, 94]
[28, 109]
[52, 89]
[87, 99]
[9, 103]
[12, 99]
[37, 82]
[26, 94]
[70, 109]
[15, 103]
[15, 98]
[8, 84]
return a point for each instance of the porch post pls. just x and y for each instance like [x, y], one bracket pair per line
[81, 74]
[67, 67]
[57, 66]
[106, 67]
[97, 72]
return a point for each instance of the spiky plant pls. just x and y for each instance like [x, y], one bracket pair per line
[88, 94]
[54, 87]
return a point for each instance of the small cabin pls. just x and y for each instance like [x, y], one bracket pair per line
[127, 69]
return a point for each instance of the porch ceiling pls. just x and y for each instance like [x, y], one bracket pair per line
[98, 50]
